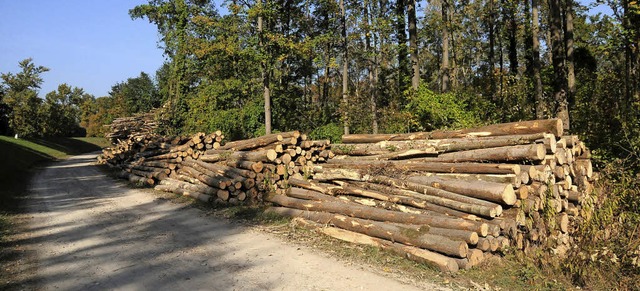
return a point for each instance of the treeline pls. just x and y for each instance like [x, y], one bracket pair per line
[68, 111]
[330, 67]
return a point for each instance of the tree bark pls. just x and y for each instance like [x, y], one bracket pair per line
[437, 167]
[265, 74]
[445, 47]
[490, 191]
[413, 44]
[553, 126]
[558, 58]
[378, 214]
[345, 69]
[442, 262]
[418, 236]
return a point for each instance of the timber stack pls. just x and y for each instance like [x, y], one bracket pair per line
[204, 167]
[448, 198]
[138, 127]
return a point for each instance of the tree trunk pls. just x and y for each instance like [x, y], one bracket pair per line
[553, 126]
[537, 80]
[345, 69]
[366, 212]
[558, 58]
[442, 262]
[265, 75]
[371, 68]
[492, 53]
[413, 44]
[440, 145]
[445, 47]
[568, 39]
[490, 191]
[418, 236]
[401, 35]
[438, 167]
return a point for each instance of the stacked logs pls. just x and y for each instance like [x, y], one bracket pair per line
[448, 198]
[139, 126]
[200, 166]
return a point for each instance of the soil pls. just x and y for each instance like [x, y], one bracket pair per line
[85, 231]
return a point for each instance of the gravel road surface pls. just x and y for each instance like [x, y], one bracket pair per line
[90, 232]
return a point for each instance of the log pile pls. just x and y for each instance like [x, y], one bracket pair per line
[137, 127]
[448, 198]
[202, 166]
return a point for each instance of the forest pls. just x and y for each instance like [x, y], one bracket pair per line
[333, 67]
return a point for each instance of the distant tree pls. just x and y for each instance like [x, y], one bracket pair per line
[138, 94]
[21, 100]
[61, 112]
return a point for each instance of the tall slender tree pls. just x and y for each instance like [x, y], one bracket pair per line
[445, 47]
[345, 67]
[413, 44]
[537, 80]
[558, 61]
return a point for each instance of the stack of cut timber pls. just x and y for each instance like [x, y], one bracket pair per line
[139, 126]
[151, 159]
[448, 198]
[273, 157]
[201, 167]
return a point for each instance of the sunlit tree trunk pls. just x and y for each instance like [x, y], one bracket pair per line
[413, 44]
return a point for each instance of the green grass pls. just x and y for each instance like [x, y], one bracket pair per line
[18, 157]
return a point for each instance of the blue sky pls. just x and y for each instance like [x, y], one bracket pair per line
[86, 43]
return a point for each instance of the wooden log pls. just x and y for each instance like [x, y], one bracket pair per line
[247, 165]
[474, 258]
[495, 178]
[256, 156]
[207, 177]
[532, 152]
[413, 236]
[184, 192]
[470, 237]
[188, 186]
[442, 262]
[378, 214]
[553, 126]
[421, 200]
[262, 141]
[428, 190]
[496, 192]
[436, 167]
[441, 145]
[427, 206]
[230, 172]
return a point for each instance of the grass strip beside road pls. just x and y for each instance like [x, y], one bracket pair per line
[18, 158]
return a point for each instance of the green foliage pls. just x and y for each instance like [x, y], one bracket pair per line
[21, 98]
[609, 237]
[431, 110]
[331, 131]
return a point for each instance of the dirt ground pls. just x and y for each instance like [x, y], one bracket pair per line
[85, 231]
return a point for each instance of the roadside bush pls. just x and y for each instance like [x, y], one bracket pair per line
[607, 247]
[430, 110]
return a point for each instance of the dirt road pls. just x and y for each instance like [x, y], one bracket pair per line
[90, 232]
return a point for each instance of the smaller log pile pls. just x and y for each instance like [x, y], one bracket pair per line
[238, 172]
[152, 158]
[137, 127]
[448, 198]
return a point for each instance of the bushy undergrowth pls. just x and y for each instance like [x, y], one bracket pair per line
[607, 248]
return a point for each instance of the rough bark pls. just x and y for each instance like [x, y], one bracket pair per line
[553, 126]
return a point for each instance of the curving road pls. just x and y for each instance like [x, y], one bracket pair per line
[93, 233]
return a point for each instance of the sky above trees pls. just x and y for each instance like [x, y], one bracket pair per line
[88, 44]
